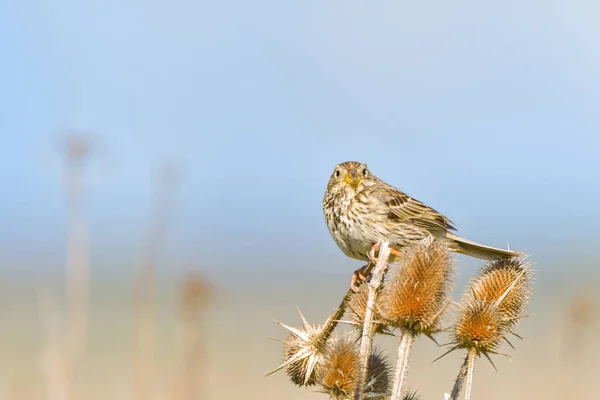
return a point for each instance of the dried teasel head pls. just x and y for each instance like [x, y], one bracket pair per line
[416, 294]
[506, 282]
[480, 326]
[303, 352]
[340, 370]
[378, 384]
[492, 306]
[357, 307]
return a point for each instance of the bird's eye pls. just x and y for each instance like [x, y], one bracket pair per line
[337, 173]
[365, 172]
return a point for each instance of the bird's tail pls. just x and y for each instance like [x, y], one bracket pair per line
[464, 246]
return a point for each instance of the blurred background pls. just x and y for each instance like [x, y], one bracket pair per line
[162, 166]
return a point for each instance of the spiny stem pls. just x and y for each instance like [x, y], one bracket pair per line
[407, 339]
[470, 368]
[466, 372]
[366, 341]
[460, 380]
[335, 318]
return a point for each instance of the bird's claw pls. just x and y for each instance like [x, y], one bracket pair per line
[362, 275]
[358, 278]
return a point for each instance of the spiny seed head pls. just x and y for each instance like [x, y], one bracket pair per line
[340, 370]
[303, 352]
[378, 384]
[480, 326]
[300, 371]
[417, 292]
[492, 305]
[506, 282]
[410, 395]
[357, 307]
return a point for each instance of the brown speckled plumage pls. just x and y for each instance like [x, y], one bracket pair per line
[360, 210]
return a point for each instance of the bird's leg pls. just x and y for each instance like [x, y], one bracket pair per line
[363, 274]
[375, 249]
[372, 252]
[359, 277]
[395, 252]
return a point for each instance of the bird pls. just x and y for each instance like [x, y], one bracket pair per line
[361, 210]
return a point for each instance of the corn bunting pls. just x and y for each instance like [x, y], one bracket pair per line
[361, 210]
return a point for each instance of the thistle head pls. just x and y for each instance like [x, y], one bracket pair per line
[506, 282]
[303, 352]
[492, 305]
[480, 326]
[416, 295]
[340, 370]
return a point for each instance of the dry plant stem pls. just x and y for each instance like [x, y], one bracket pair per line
[65, 344]
[404, 349]
[466, 372]
[470, 369]
[460, 380]
[77, 285]
[145, 293]
[335, 318]
[366, 341]
[190, 382]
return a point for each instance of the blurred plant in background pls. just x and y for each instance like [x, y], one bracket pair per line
[66, 336]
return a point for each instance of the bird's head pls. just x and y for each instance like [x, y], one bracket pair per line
[349, 176]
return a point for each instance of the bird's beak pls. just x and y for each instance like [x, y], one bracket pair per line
[352, 178]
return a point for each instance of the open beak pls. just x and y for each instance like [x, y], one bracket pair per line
[352, 178]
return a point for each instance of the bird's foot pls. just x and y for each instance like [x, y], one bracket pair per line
[359, 277]
[373, 253]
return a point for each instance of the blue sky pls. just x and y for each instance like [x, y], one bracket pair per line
[489, 113]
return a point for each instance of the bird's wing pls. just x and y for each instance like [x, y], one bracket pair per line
[403, 208]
